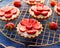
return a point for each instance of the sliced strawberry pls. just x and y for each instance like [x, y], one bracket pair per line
[14, 11]
[39, 8]
[17, 3]
[31, 1]
[29, 25]
[58, 4]
[45, 13]
[2, 13]
[22, 28]
[33, 21]
[53, 3]
[6, 9]
[31, 32]
[42, 5]
[46, 8]
[58, 8]
[37, 12]
[8, 15]
[37, 26]
[24, 22]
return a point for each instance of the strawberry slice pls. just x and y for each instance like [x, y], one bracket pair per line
[2, 13]
[31, 32]
[31, 1]
[24, 22]
[45, 13]
[42, 5]
[32, 21]
[37, 26]
[39, 8]
[22, 28]
[14, 11]
[37, 12]
[6, 9]
[8, 15]
[46, 8]
[58, 4]
[17, 3]
[29, 25]
[58, 8]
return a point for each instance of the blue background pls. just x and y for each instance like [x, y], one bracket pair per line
[8, 42]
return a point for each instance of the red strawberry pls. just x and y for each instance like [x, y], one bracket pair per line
[2, 13]
[24, 22]
[29, 25]
[45, 13]
[37, 12]
[17, 3]
[53, 25]
[58, 8]
[42, 5]
[6, 9]
[39, 8]
[31, 32]
[8, 15]
[10, 26]
[32, 21]
[31, 1]
[46, 8]
[58, 4]
[14, 11]
[53, 2]
[37, 26]
[22, 28]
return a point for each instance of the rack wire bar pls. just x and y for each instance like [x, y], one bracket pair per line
[47, 37]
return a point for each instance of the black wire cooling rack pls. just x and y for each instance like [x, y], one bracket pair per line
[47, 37]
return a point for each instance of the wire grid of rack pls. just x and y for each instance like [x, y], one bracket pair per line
[47, 37]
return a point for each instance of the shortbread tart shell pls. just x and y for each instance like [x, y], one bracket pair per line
[31, 4]
[40, 17]
[24, 34]
[13, 16]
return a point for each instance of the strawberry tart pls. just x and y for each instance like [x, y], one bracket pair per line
[57, 8]
[40, 11]
[29, 28]
[9, 13]
[34, 2]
